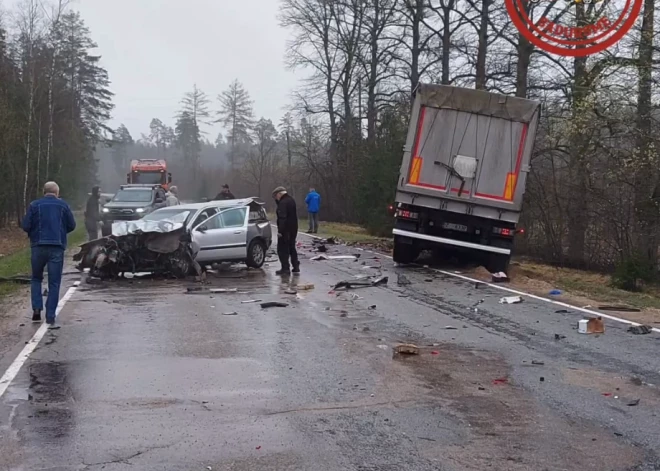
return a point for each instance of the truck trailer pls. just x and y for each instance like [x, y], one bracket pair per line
[463, 174]
[149, 172]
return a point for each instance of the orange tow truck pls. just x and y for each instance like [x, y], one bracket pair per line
[149, 172]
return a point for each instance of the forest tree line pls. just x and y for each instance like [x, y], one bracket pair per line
[54, 104]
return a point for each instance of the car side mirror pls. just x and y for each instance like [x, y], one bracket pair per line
[202, 229]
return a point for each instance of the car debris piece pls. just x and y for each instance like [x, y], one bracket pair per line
[499, 277]
[563, 311]
[321, 248]
[559, 337]
[383, 347]
[249, 301]
[350, 284]
[450, 327]
[319, 258]
[498, 381]
[344, 257]
[191, 289]
[619, 308]
[633, 403]
[230, 313]
[273, 304]
[640, 329]
[593, 325]
[407, 349]
[511, 300]
[555, 292]
[402, 280]
[305, 287]
[290, 291]
[224, 290]
[537, 362]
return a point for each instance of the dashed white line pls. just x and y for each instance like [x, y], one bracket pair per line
[514, 291]
[22, 357]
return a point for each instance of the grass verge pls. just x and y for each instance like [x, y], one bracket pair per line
[18, 263]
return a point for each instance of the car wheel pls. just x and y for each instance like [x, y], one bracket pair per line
[256, 254]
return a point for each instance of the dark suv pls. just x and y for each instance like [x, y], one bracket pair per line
[132, 202]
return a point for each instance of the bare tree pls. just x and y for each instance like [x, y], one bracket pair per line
[235, 114]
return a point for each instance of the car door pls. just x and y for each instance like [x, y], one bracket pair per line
[222, 236]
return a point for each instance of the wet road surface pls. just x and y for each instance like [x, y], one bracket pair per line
[144, 375]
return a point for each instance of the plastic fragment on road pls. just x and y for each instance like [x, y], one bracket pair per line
[249, 301]
[537, 362]
[344, 257]
[559, 337]
[383, 347]
[402, 280]
[305, 287]
[640, 329]
[498, 381]
[450, 327]
[224, 290]
[499, 277]
[290, 291]
[230, 313]
[633, 403]
[511, 300]
[406, 349]
[435, 352]
[555, 292]
[594, 325]
[319, 258]
[350, 284]
[273, 304]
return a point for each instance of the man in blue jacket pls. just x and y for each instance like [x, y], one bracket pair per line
[313, 202]
[47, 222]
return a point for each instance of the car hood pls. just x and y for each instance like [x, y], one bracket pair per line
[142, 227]
[125, 205]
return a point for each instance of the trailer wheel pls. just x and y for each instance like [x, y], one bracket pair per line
[404, 253]
[498, 263]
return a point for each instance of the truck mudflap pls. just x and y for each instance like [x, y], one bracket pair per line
[453, 242]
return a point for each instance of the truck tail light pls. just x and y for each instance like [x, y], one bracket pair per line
[404, 213]
[503, 231]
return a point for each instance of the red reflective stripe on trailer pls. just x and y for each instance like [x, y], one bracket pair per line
[428, 185]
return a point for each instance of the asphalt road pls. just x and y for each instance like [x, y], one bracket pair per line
[145, 376]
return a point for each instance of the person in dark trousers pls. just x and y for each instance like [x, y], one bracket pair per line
[47, 222]
[287, 231]
[225, 194]
[93, 214]
[313, 202]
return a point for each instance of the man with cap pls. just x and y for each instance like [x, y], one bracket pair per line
[225, 194]
[287, 231]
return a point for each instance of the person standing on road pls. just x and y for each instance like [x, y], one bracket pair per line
[172, 199]
[287, 231]
[313, 202]
[225, 194]
[93, 214]
[47, 222]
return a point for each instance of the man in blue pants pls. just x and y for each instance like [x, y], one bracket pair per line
[47, 222]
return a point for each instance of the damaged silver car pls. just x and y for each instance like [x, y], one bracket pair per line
[177, 240]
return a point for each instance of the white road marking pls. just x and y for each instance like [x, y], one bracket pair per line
[22, 357]
[510, 290]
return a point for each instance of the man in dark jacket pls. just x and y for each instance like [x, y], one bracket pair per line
[287, 231]
[47, 222]
[93, 214]
[225, 194]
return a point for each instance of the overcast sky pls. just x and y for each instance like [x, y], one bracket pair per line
[155, 50]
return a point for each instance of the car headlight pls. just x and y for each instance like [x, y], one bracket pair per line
[140, 210]
[106, 210]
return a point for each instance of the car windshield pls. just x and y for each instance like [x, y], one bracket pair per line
[133, 196]
[173, 214]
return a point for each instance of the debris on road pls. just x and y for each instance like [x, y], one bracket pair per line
[563, 311]
[435, 352]
[498, 381]
[224, 290]
[344, 257]
[319, 258]
[593, 325]
[383, 347]
[273, 304]
[499, 277]
[372, 307]
[230, 313]
[407, 349]
[559, 337]
[619, 308]
[350, 284]
[511, 300]
[640, 329]
[633, 403]
[402, 280]
[305, 287]
[450, 327]
[249, 301]
[321, 248]
[555, 292]
[163, 247]
[537, 362]
[290, 291]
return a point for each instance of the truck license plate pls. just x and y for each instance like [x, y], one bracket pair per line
[454, 227]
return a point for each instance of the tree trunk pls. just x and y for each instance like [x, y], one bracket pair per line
[446, 41]
[480, 82]
[647, 194]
